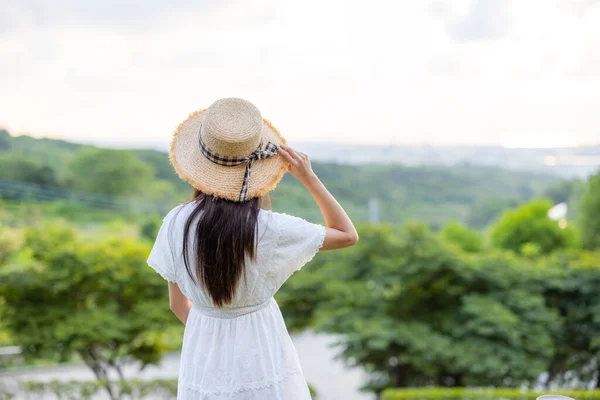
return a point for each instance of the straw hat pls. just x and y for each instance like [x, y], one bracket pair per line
[205, 144]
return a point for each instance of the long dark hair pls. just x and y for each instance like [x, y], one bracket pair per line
[224, 239]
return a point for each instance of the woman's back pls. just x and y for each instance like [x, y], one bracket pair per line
[283, 245]
[240, 350]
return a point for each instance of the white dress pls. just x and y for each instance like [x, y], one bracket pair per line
[243, 350]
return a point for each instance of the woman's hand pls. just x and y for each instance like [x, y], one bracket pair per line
[340, 231]
[299, 164]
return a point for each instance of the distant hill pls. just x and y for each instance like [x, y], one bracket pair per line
[432, 194]
[567, 162]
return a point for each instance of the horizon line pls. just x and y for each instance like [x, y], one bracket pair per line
[124, 144]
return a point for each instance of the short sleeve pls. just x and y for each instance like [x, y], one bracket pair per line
[161, 257]
[297, 243]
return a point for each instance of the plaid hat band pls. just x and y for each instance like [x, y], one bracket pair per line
[270, 150]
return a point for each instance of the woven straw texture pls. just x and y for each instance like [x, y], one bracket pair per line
[232, 127]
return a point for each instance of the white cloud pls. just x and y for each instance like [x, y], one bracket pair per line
[489, 72]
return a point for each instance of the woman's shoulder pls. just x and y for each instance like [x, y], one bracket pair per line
[179, 213]
[268, 220]
[277, 214]
[296, 242]
[286, 223]
[280, 219]
[274, 222]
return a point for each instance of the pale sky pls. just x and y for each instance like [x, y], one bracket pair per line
[456, 72]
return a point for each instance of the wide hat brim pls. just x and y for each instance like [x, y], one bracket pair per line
[218, 180]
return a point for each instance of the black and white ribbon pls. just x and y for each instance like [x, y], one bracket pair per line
[230, 161]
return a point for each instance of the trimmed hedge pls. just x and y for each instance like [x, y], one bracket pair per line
[86, 390]
[481, 394]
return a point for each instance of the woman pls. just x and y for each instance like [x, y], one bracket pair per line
[224, 257]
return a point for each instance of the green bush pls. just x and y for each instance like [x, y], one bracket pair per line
[109, 172]
[571, 288]
[481, 394]
[84, 390]
[10, 241]
[589, 220]
[412, 311]
[466, 239]
[517, 230]
[149, 228]
[62, 295]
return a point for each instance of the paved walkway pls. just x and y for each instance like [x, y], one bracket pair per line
[328, 376]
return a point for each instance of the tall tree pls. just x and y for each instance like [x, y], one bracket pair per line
[529, 227]
[571, 281]
[563, 191]
[589, 214]
[16, 168]
[4, 140]
[413, 312]
[99, 300]
[109, 172]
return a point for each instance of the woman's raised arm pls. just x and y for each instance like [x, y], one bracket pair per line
[340, 230]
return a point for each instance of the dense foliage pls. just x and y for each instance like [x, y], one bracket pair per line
[109, 172]
[590, 210]
[65, 295]
[572, 283]
[17, 168]
[132, 389]
[413, 311]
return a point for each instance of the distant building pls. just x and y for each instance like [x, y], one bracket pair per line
[373, 211]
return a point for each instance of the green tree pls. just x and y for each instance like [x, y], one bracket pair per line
[468, 240]
[159, 191]
[163, 169]
[99, 300]
[561, 192]
[10, 241]
[109, 172]
[413, 312]
[4, 140]
[589, 214]
[16, 168]
[530, 225]
[571, 281]
[149, 228]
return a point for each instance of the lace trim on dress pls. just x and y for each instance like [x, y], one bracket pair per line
[165, 275]
[314, 247]
[252, 386]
